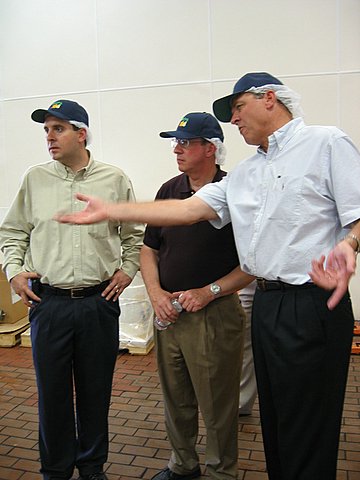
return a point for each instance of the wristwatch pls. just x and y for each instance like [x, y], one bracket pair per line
[215, 289]
[354, 238]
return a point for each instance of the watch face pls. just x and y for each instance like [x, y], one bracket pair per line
[215, 289]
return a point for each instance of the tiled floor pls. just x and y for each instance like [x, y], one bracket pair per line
[138, 445]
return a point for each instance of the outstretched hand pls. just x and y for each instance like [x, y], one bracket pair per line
[340, 267]
[95, 211]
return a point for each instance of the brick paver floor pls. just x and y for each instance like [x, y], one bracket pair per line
[138, 444]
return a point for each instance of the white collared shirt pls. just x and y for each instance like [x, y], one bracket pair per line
[289, 205]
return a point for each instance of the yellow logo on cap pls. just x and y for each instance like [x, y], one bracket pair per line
[56, 105]
[183, 122]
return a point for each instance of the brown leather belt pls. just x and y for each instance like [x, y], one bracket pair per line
[75, 292]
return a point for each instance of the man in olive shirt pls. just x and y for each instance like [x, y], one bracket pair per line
[71, 279]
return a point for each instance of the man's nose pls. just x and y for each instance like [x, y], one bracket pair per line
[50, 135]
[178, 148]
[234, 118]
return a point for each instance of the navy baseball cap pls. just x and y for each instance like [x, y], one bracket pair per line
[222, 106]
[196, 125]
[65, 110]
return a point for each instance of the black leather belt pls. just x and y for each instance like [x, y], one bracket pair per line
[75, 292]
[266, 285]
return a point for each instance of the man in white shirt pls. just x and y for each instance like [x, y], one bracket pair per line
[289, 203]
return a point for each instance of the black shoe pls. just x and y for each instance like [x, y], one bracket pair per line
[167, 474]
[94, 476]
[244, 413]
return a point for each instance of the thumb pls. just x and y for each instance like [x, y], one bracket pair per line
[177, 294]
[82, 197]
[32, 275]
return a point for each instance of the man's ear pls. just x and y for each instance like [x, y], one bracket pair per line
[270, 99]
[211, 149]
[82, 135]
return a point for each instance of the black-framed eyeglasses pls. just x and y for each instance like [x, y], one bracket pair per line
[184, 142]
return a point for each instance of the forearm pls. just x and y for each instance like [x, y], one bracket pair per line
[131, 237]
[162, 212]
[149, 270]
[14, 250]
[158, 213]
[197, 298]
[15, 232]
[160, 298]
[234, 281]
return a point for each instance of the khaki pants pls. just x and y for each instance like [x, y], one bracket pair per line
[248, 388]
[199, 362]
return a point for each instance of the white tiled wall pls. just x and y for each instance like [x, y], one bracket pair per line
[138, 65]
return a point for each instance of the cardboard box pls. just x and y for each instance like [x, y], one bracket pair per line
[11, 305]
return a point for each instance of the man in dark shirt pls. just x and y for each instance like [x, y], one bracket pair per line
[199, 354]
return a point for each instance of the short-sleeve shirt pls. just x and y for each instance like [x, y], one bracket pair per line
[191, 256]
[290, 204]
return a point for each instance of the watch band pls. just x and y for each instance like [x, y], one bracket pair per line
[351, 236]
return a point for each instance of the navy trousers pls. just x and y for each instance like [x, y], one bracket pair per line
[75, 343]
[301, 353]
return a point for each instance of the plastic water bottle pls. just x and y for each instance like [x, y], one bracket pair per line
[162, 325]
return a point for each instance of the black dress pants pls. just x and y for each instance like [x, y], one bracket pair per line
[75, 344]
[301, 354]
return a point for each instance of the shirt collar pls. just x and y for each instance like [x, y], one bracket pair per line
[65, 172]
[285, 133]
[184, 184]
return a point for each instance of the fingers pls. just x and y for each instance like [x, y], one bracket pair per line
[64, 218]
[167, 311]
[193, 300]
[326, 279]
[165, 314]
[335, 277]
[117, 285]
[32, 275]
[112, 291]
[337, 295]
[30, 298]
[21, 284]
[83, 197]
[163, 308]
[343, 278]
[78, 217]
[26, 300]
[27, 296]
[340, 290]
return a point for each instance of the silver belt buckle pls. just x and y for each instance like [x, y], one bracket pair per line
[74, 294]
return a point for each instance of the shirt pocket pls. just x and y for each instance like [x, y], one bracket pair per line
[99, 230]
[284, 199]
